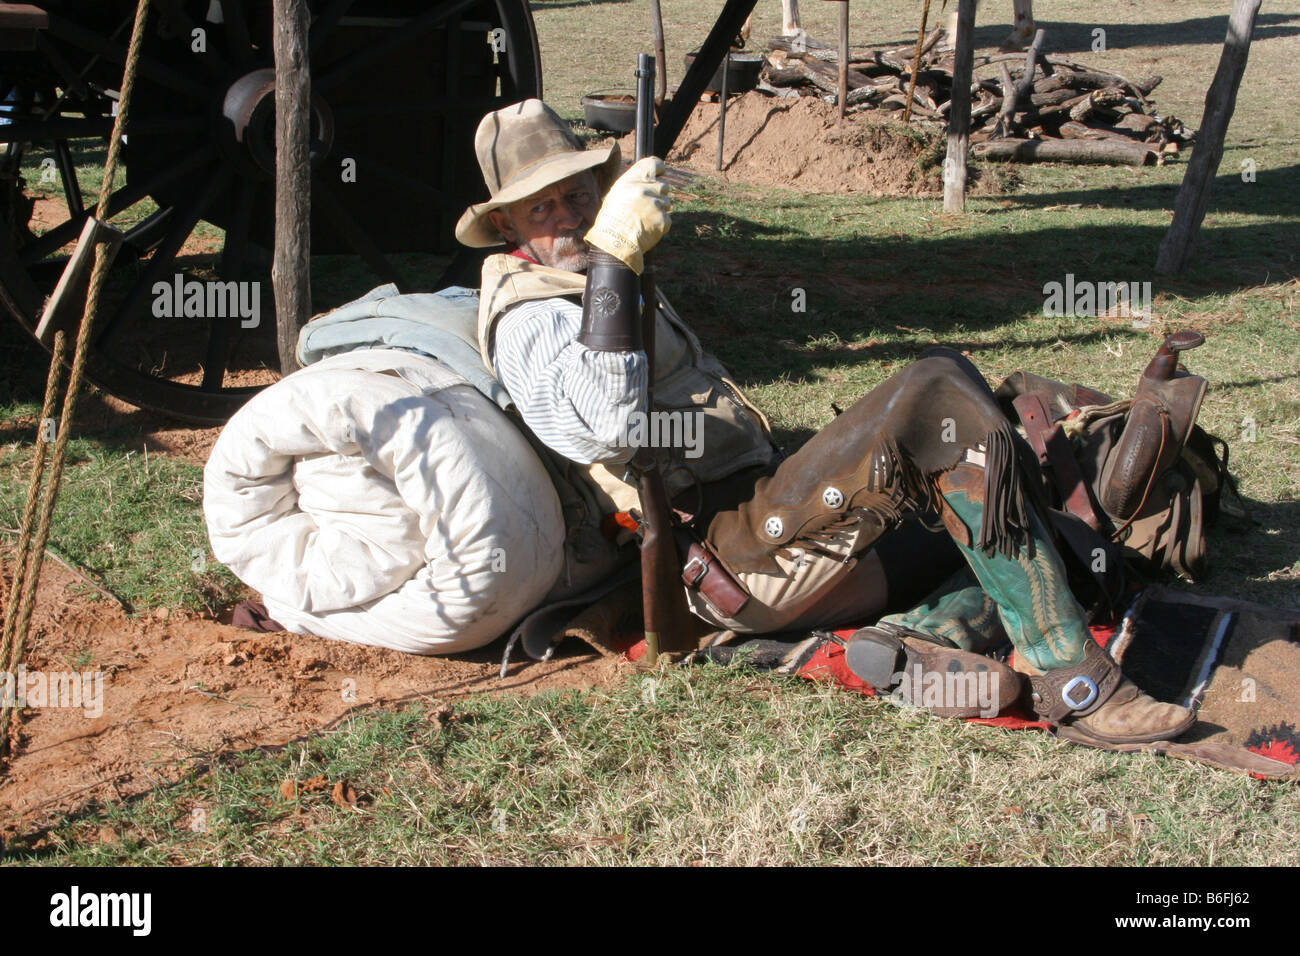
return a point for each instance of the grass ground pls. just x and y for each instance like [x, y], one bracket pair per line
[719, 766]
[705, 766]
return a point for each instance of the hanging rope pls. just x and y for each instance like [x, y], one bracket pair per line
[31, 552]
[52, 384]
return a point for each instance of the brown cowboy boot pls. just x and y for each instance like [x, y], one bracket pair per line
[1094, 702]
[931, 672]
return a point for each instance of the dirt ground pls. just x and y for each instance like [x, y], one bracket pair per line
[179, 689]
[800, 144]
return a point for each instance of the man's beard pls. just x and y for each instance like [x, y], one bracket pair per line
[567, 252]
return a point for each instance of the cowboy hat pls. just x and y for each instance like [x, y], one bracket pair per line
[521, 150]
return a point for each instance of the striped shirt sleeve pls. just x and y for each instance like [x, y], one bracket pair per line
[576, 400]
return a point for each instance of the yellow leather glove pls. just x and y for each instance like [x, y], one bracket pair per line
[634, 215]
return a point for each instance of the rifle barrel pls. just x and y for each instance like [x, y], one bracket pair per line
[645, 105]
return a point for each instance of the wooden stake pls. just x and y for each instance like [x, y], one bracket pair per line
[844, 56]
[657, 29]
[291, 271]
[954, 164]
[722, 108]
[1207, 153]
[916, 63]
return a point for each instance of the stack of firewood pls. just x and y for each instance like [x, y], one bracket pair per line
[1035, 107]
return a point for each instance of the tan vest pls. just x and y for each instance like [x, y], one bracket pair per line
[735, 434]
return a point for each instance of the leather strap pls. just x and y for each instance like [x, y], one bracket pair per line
[1056, 454]
[1068, 477]
[705, 572]
[1079, 690]
[1034, 416]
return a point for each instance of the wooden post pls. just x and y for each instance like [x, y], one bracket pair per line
[1207, 153]
[291, 270]
[657, 32]
[954, 164]
[843, 92]
[716, 45]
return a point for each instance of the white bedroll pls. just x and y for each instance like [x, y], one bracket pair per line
[377, 497]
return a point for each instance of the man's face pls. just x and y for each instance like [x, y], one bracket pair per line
[549, 225]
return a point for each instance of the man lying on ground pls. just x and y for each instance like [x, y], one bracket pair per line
[823, 537]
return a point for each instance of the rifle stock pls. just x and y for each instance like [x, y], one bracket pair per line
[668, 627]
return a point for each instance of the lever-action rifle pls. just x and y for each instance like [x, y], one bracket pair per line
[668, 627]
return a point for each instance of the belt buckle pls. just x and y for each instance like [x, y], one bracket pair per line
[686, 571]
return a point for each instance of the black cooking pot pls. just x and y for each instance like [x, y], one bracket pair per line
[742, 75]
[613, 111]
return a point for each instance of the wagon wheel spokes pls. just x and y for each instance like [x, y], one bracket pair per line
[197, 195]
[68, 173]
[119, 200]
[181, 226]
[335, 73]
[354, 234]
[149, 67]
[146, 234]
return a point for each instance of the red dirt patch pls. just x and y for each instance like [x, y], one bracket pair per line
[46, 214]
[800, 144]
[179, 689]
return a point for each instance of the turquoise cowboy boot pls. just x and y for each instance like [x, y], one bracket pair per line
[959, 611]
[1074, 682]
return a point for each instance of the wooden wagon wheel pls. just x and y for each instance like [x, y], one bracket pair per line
[398, 88]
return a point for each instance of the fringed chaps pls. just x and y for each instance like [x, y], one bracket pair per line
[882, 460]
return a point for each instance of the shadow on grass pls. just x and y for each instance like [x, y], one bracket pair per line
[1228, 194]
[1063, 37]
[1074, 38]
[1243, 561]
[737, 282]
